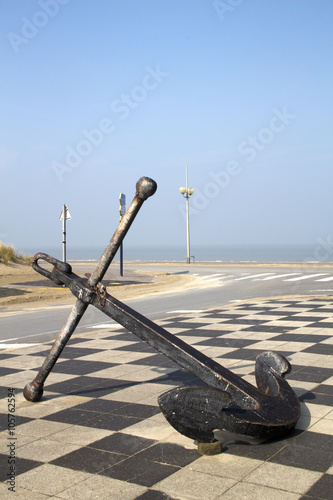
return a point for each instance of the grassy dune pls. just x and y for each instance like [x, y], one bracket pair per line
[8, 254]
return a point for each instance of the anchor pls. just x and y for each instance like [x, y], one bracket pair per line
[225, 402]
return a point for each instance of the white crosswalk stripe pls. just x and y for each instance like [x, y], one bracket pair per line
[296, 276]
[252, 276]
[213, 276]
[215, 279]
[305, 277]
[275, 277]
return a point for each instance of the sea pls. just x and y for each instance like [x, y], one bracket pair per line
[317, 253]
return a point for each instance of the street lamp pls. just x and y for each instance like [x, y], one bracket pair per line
[187, 192]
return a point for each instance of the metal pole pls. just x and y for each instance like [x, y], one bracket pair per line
[122, 210]
[188, 259]
[121, 260]
[64, 233]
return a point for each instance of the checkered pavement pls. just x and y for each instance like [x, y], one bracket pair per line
[98, 431]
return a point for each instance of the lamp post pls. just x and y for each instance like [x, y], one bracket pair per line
[187, 192]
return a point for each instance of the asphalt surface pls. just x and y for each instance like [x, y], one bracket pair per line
[224, 284]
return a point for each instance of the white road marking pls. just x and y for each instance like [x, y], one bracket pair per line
[14, 346]
[184, 311]
[330, 278]
[252, 276]
[275, 277]
[214, 279]
[213, 275]
[307, 276]
[106, 325]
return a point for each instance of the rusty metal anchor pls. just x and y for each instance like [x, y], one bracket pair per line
[226, 401]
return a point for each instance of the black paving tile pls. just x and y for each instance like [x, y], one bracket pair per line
[307, 337]
[291, 337]
[324, 389]
[322, 324]
[246, 354]
[68, 385]
[100, 405]
[4, 392]
[315, 370]
[168, 453]
[137, 410]
[103, 389]
[140, 471]
[155, 495]
[15, 421]
[4, 355]
[228, 342]
[206, 332]
[90, 386]
[259, 452]
[269, 328]
[73, 416]
[112, 422]
[80, 367]
[122, 443]
[321, 489]
[315, 459]
[262, 451]
[155, 360]
[306, 377]
[325, 349]
[314, 440]
[316, 398]
[310, 319]
[179, 377]
[88, 460]
[70, 352]
[7, 371]
[78, 352]
[136, 346]
[124, 337]
[78, 340]
[185, 325]
[22, 465]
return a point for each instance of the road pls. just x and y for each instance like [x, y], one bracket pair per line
[225, 284]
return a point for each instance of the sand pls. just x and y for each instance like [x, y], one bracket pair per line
[21, 286]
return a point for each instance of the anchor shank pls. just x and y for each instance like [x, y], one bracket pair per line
[186, 356]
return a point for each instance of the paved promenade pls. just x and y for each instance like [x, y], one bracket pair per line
[98, 432]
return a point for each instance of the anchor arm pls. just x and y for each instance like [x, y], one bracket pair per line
[186, 356]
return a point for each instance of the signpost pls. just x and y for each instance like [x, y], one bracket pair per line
[122, 211]
[65, 215]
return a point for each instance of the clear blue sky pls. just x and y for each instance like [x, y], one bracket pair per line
[96, 93]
